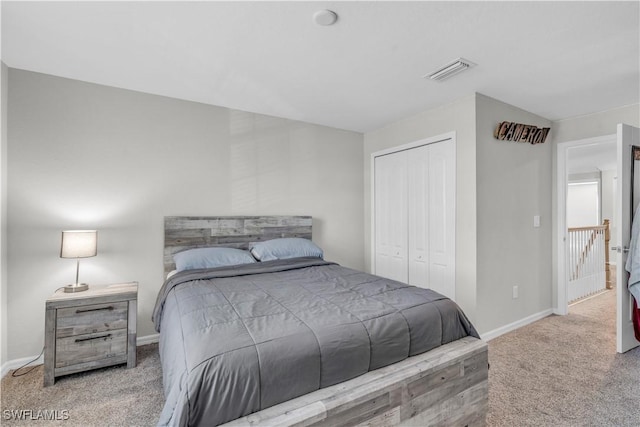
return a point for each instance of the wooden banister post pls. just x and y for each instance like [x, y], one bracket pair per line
[607, 267]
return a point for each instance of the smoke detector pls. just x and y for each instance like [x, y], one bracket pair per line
[451, 69]
[325, 17]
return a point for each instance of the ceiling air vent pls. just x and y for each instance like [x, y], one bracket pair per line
[450, 69]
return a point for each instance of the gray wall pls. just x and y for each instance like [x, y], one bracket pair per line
[3, 215]
[500, 187]
[513, 185]
[83, 155]
[594, 125]
[458, 116]
[89, 156]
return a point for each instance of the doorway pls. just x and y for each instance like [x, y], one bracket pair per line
[586, 178]
[627, 140]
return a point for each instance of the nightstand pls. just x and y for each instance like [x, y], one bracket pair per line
[90, 329]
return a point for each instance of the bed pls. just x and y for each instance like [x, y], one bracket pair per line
[304, 341]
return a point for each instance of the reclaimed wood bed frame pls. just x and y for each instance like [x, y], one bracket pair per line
[447, 386]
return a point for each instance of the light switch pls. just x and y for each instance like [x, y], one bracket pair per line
[536, 221]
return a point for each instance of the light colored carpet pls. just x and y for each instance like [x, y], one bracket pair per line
[559, 371]
[564, 371]
[113, 396]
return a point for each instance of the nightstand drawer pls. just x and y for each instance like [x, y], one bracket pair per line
[90, 347]
[87, 319]
[90, 329]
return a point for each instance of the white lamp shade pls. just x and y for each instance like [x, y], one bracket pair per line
[79, 244]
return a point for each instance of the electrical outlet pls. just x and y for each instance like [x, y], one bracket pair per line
[515, 292]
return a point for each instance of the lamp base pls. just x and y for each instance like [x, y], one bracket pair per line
[76, 287]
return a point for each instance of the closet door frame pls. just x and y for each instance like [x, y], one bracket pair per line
[431, 140]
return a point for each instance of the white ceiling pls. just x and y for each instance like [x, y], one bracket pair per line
[555, 59]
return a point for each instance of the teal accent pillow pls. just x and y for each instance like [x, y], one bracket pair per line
[291, 247]
[211, 258]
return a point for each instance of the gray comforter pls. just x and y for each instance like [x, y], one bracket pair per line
[236, 340]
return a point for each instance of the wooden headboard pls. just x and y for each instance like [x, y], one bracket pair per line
[186, 232]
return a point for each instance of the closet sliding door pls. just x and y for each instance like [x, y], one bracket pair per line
[442, 218]
[414, 216]
[391, 223]
[418, 209]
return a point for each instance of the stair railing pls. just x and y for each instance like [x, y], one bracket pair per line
[589, 260]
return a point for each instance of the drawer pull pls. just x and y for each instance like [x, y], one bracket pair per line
[93, 338]
[110, 308]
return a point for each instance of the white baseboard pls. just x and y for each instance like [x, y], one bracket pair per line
[487, 336]
[148, 339]
[16, 363]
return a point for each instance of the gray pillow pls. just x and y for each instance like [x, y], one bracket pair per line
[292, 247]
[211, 258]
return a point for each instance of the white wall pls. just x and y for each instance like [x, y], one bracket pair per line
[513, 185]
[608, 182]
[3, 215]
[89, 156]
[577, 128]
[458, 116]
[583, 204]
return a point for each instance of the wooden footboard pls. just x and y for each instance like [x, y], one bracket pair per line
[447, 386]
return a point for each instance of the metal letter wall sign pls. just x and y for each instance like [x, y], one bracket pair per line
[517, 132]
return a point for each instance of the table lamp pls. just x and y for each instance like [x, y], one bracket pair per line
[78, 244]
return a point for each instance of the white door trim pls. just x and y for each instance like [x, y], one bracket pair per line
[628, 137]
[432, 140]
[562, 306]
